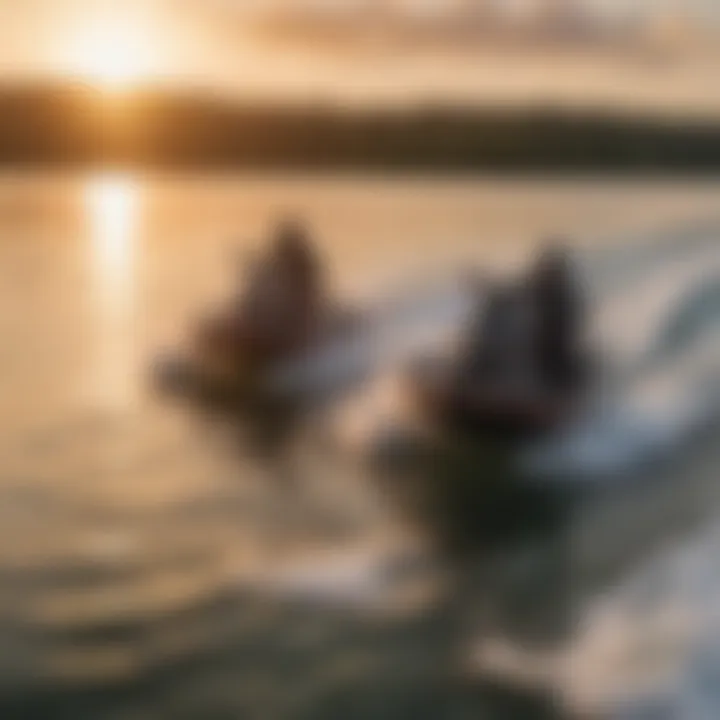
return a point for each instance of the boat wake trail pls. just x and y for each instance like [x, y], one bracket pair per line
[395, 328]
[657, 326]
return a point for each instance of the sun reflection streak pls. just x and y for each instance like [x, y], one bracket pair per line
[113, 207]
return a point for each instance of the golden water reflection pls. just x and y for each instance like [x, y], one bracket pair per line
[112, 204]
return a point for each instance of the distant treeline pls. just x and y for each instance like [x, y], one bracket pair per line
[80, 126]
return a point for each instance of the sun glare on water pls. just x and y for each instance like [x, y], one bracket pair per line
[112, 202]
[113, 209]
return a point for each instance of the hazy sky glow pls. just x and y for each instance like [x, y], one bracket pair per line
[166, 36]
[121, 43]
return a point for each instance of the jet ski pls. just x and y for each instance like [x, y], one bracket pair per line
[482, 407]
[229, 361]
[521, 370]
[281, 313]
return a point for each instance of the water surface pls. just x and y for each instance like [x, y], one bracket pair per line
[151, 555]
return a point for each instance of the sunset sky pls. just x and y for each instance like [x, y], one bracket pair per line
[212, 43]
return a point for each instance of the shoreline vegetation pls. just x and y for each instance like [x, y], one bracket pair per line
[76, 125]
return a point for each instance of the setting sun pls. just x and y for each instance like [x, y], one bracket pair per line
[114, 54]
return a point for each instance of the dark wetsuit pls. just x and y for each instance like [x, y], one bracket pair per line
[285, 295]
[559, 318]
[496, 351]
[300, 272]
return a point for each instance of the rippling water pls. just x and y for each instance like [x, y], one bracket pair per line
[159, 562]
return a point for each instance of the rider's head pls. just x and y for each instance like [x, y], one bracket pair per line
[291, 238]
[554, 260]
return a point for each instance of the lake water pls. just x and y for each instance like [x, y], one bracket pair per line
[156, 561]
